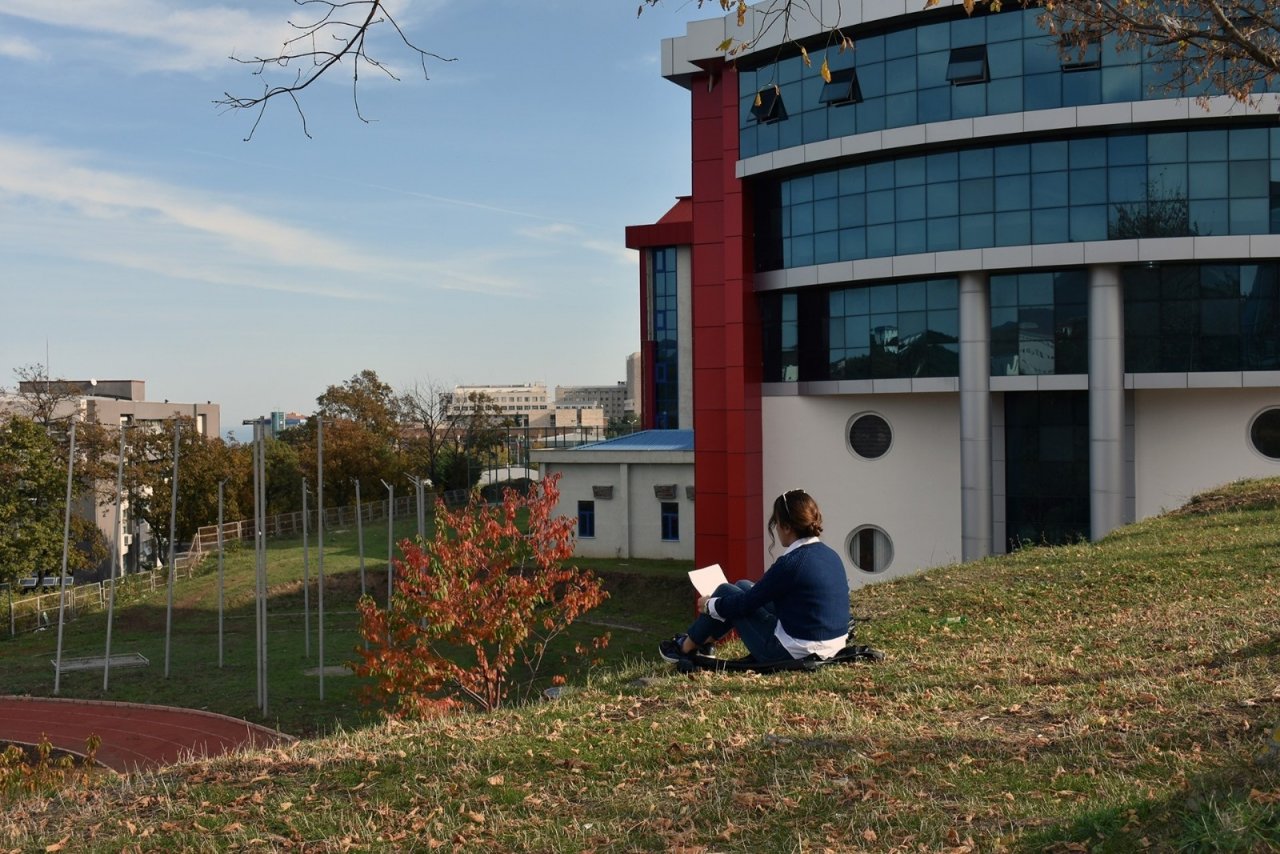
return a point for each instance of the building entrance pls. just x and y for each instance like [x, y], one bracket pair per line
[1046, 467]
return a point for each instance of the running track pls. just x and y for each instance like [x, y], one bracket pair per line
[134, 736]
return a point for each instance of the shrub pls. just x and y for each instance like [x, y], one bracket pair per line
[487, 592]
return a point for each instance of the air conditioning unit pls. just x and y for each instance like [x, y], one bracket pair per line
[126, 541]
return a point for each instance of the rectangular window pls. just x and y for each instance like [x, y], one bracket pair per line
[768, 105]
[968, 65]
[1081, 50]
[670, 521]
[586, 519]
[843, 88]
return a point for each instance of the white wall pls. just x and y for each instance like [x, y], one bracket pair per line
[912, 492]
[630, 523]
[1190, 440]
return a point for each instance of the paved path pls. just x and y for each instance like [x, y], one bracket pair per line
[133, 736]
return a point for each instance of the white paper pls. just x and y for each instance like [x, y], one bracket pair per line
[707, 579]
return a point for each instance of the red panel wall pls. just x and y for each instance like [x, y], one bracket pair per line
[726, 342]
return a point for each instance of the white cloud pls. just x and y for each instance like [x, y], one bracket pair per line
[142, 224]
[154, 35]
[564, 233]
[16, 48]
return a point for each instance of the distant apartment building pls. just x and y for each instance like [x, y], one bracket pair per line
[635, 380]
[281, 421]
[114, 402]
[120, 402]
[611, 398]
[526, 405]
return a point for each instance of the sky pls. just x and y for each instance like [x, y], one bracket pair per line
[471, 232]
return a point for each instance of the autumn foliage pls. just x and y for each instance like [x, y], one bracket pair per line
[482, 598]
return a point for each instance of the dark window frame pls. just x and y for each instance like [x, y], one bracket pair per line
[1081, 50]
[842, 89]
[670, 518]
[967, 65]
[586, 520]
[769, 107]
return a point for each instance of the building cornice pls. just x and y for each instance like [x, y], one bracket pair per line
[1028, 257]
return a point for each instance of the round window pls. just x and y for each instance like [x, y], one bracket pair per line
[1265, 433]
[870, 549]
[870, 436]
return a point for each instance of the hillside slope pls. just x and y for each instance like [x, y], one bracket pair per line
[1111, 696]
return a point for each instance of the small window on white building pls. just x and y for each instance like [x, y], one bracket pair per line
[870, 549]
[870, 436]
[1264, 433]
[586, 519]
[670, 521]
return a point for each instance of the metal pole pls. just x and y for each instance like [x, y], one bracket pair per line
[115, 561]
[262, 492]
[391, 514]
[320, 537]
[419, 489]
[306, 576]
[360, 536]
[66, 543]
[173, 569]
[221, 485]
[257, 564]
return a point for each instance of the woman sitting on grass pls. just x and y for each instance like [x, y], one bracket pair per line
[799, 608]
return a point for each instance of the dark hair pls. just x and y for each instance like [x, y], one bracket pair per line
[796, 509]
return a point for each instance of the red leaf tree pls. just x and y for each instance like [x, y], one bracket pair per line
[489, 591]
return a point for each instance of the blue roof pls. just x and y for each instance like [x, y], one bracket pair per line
[645, 440]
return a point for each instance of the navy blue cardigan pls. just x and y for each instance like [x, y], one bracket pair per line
[809, 592]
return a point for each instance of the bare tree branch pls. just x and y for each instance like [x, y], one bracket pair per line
[338, 33]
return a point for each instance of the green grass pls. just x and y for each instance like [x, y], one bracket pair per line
[644, 595]
[1116, 696]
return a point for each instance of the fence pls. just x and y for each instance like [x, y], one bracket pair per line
[290, 524]
[33, 613]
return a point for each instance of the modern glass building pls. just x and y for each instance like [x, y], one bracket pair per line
[973, 292]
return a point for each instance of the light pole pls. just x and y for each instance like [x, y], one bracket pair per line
[116, 560]
[359, 534]
[419, 491]
[306, 575]
[260, 551]
[391, 513]
[221, 486]
[66, 542]
[320, 537]
[173, 569]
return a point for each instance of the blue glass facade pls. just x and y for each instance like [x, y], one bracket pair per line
[873, 331]
[1210, 181]
[902, 77]
[1202, 317]
[1040, 323]
[665, 333]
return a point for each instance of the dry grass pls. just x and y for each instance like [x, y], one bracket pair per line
[1116, 696]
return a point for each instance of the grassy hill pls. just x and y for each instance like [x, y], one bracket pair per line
[1116, 696]
[644, 594]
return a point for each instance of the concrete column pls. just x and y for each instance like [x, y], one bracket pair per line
[975, 416]
[1106, 401]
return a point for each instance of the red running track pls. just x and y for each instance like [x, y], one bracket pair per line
[134, 736]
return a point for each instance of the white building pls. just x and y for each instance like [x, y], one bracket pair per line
[632, 496]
